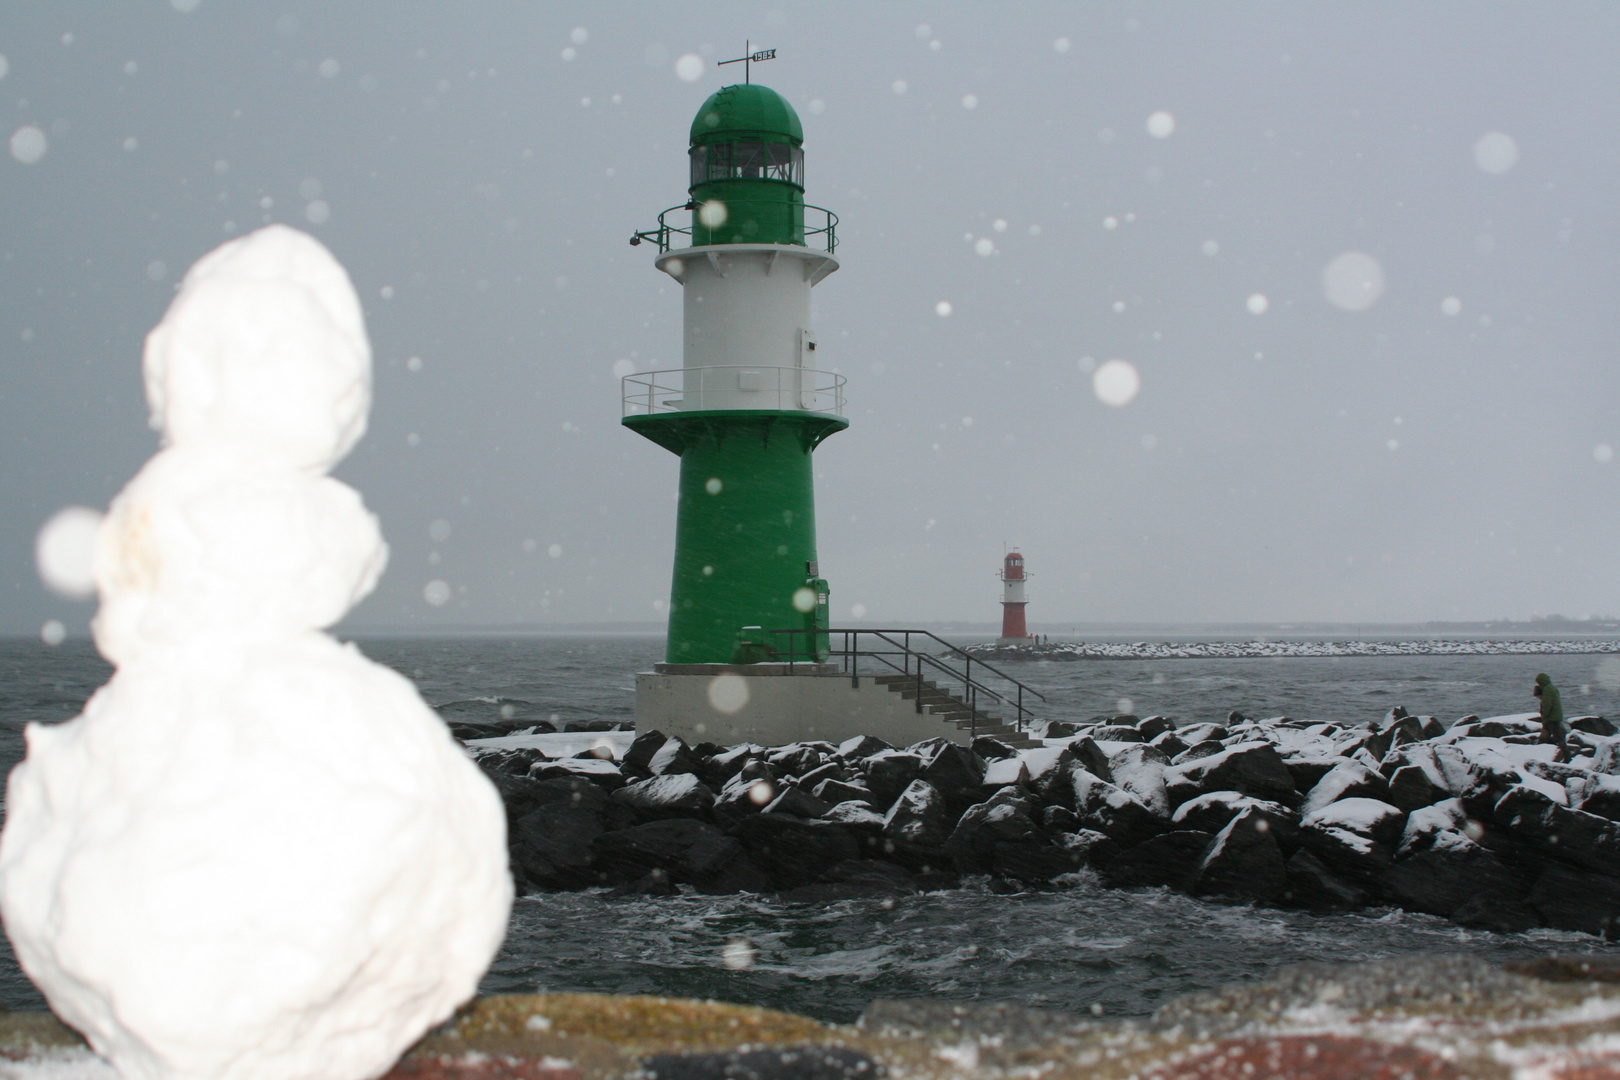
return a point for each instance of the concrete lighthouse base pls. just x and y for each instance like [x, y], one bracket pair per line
[765, 704]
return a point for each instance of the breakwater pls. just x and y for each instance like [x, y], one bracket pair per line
[1238, 650]
[1474, 820]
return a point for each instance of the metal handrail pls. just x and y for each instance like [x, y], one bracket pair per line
[732, 387]
[913, 661]
[661, 235]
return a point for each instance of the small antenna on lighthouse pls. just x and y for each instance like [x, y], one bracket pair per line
[750, 57]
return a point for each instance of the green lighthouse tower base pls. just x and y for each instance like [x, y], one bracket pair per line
[745, 533]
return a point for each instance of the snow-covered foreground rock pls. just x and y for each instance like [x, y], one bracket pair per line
[1419, 1018]
[1473, 820]
[256, 854]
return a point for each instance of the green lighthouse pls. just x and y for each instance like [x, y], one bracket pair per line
[748, 406]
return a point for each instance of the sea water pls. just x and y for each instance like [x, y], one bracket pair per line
[1083, 947]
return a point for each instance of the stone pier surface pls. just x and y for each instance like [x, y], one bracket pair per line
[1439, 1017]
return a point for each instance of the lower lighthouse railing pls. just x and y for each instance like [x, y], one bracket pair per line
[891, 651]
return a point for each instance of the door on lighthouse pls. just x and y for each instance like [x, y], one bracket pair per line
[803, 386]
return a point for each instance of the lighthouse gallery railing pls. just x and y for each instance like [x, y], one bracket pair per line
[892, 649]
[696, 389]
[664, 235]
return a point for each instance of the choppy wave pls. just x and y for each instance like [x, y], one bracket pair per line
[1124, 951]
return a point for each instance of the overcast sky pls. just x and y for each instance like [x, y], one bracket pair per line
[1441, 453]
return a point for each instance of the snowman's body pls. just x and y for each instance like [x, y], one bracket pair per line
[256, 854]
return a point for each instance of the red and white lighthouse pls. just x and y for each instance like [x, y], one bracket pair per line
[1013, 630]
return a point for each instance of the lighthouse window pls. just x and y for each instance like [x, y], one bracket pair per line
[747, 161]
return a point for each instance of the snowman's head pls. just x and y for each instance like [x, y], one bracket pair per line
[263, 355]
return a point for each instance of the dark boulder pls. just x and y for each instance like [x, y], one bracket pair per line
[831, 770]
[519, 794]
[793, 851]
[744, 795]
[1139, 772]
[1594, 725]
[1307, 772]
[1169, 744]
[1313, 886]
[1558, 772]
[1412, 787]
[1086, 751]
[672, 758]
[1375, 819]
[1151, 727]
[832, 792]
[919, 816]
[1002, 772]
[1033, 862]
[795, 759]
[1092, 848]
[1428, 826]
[1498, 915]
[857, 814]
[1048, 769]
[1573, 836]
[1110, 810]
[1116, 733]
[954, 771]
[992, 749]
[1172, 859]
[597, 770]
[1447, 875]
[687, 851]
[663, 796]
[1354, 838]
[1597, 794]
[1211, 813]
[551, 845]
[1347, 780]
[1569, 899]
[1197, 733]
[718, 768]
[1059, 819]
[888, 772]
[861, 747]
[793, 801]
[641, 751]
[1244, 860]
[1252, 768]
[1004, 816]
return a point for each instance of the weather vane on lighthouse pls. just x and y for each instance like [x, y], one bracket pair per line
[750, 57]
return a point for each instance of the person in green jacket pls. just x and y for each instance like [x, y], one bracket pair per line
[1552, 711]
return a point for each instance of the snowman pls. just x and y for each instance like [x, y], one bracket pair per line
[256, 855]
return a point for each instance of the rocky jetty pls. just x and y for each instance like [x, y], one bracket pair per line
[1233, 650]
[1445, 1018]
[1474, 820]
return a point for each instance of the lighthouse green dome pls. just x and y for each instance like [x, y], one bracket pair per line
[746, 111]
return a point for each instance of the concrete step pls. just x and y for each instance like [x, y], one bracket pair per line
[987, 725]
[899, 680]
[926, 695]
